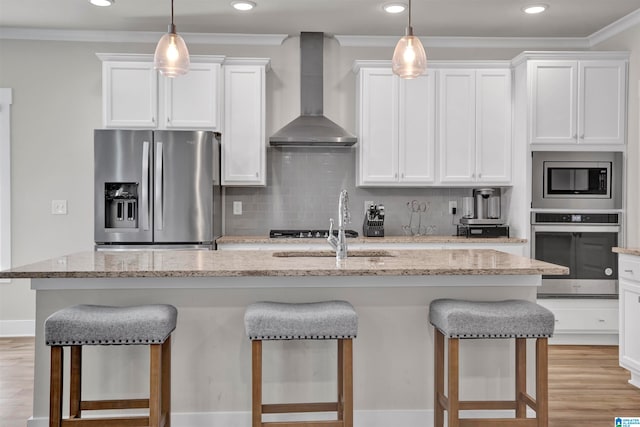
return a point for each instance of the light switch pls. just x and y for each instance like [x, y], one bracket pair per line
[237, 207]
[58, 207]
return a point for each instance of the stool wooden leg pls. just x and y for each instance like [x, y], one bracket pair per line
[542, 387]
[155, 389]
[438, 372]
[166, 382]
[453, 392]
[55, 391]
[256, 383]
[345, 365]
[521, 377]
[75, 386]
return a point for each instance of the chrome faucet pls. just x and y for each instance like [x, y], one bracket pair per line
[339, 244]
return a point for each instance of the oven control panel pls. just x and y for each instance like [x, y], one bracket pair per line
[575, 218]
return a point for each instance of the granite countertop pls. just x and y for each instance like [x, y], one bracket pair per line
[370, 240]
[627, 251]
[280, 263]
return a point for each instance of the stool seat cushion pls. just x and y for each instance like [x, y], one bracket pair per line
[287, 321]
[492, 319]
[105, 325]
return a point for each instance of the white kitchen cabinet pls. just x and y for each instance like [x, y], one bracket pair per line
[192, 101]
[129, 94]
[396, 138]
[584, 321]
[474, 122]
[577, 101]
[134, 95]
[629, 347]
[243, 137]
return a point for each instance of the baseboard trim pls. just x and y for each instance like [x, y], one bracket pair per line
[382, 418]
[17, 328]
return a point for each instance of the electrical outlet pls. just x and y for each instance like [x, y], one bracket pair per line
[58, 207]
[367, 204]
[237, 207]
[453, 207]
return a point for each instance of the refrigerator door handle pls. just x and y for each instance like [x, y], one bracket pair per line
[145, 186]
[159, 207]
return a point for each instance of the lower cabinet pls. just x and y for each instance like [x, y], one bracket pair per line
[629, 273]
[584, 321]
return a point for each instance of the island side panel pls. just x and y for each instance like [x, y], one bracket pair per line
[211, 354]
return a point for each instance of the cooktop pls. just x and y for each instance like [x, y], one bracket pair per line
[308, 234]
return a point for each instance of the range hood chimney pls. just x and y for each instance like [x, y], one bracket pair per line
[312, 128]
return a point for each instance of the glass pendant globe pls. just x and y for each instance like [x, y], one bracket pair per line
[409, 58]
[172, 56]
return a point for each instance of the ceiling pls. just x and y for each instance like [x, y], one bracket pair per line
[444, 18]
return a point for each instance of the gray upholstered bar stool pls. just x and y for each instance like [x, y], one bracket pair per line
[306, 321]
[519, 319]
[82, 325]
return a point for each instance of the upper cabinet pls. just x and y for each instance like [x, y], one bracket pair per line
[474, 122]
[396, 127]
[577, 98]
[244, 141]
[137, 96]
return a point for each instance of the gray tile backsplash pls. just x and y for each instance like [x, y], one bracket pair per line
[303, 188]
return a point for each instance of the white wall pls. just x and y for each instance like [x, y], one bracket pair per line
[57, 104]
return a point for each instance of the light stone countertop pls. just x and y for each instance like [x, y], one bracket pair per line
[426, 262]
[627, 251]
[365, 240]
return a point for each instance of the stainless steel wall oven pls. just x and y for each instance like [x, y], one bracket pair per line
[582, 242]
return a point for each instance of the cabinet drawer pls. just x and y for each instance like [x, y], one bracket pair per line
[586, 319]
[629, 269]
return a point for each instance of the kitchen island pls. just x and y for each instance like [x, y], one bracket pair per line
[211, 360]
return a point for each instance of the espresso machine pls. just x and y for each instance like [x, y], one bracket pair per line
[482, 216]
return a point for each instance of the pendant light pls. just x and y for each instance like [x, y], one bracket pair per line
[409, 59]
[172, 56]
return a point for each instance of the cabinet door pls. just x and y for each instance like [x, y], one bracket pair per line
[602, 102]
[417, 129]
[192, 101]
[493, 126]
[553, 101]
[457, 125]
[629, 321]
[129, 95]
[378, 145]
[243, 137]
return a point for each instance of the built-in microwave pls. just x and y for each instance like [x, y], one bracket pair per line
[576, 180]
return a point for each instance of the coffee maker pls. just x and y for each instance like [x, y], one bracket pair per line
[486, 219]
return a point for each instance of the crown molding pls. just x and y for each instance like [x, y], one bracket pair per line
[615, 28]
[139, 36]
[468, 42]
[559, 54]
[358, 64]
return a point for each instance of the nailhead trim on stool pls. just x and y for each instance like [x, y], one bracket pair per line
[295, 321]
[82, 325]
[458, 319]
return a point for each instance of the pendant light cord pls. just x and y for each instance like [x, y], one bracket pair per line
[172, 11]
[409, 13]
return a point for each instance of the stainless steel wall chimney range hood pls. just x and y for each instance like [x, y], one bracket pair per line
[312, 128]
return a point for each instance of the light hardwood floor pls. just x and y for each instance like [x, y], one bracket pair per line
[587, 388]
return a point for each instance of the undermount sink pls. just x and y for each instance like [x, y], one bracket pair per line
[355, 253]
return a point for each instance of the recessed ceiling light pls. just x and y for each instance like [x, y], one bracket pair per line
[535, 8]
[243, 5]
[102, 2]
[394, 8]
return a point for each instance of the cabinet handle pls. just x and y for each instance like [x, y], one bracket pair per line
[479, 175]
[601, 320]
[628, 271]
[168, 119]
[257, 174]
[639, 299]
[582, 136]
[395, 175]
[153, 120]
[575, 136]
[402, 174]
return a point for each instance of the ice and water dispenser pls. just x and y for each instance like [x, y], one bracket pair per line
[121, 204]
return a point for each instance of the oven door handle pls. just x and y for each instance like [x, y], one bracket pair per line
[576, 228]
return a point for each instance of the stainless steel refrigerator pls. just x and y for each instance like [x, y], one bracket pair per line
[156, 189]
